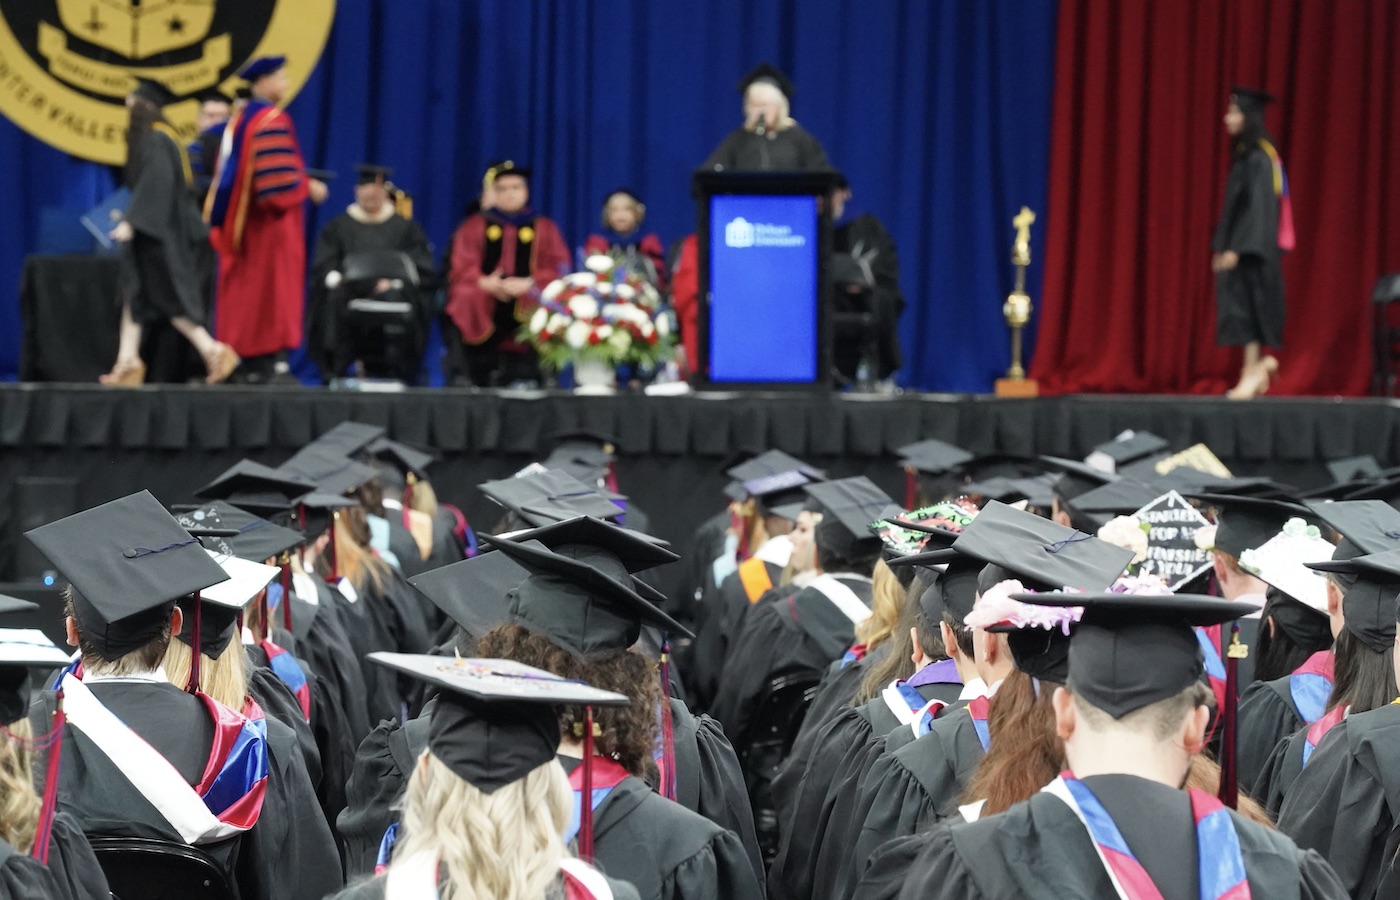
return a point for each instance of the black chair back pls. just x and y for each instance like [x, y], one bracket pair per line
[776, 722]
[365, 265]
[149, 869]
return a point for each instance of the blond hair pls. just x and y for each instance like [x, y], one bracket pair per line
[423, 498]
[19, 804]
[225, 679]
[353, 558]
[886, 603]
[505, 845]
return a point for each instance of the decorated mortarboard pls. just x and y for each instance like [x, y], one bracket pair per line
[550, 496]
[1369, 605]
[20, 650]
[1179, 540]
[1132, 650]
[783, 495]
[1127, 448]
[586, 601]
[926, 528]
[772, 462]
[636, 551]
[475, 592]
[408, 460]
[1245, 522]
[933, 456]
[496, 720]
[1282, 562]
[1076, 477]
[767, 73]
[952, 585]
[219, 606]
[154, 91]
[1037, 636]
[254, 538]
[1248, 98]
[1038, 552]
[348, 438]
[258, 488]
[261, 67]
[128, 562]
[850, 507]
[366, 173]
[328, 470]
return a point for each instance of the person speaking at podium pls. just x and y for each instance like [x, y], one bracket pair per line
[770, 140]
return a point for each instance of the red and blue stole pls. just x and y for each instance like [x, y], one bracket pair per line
[1219, 861]
[1209, 639]
[903, 697]
[226, 208]
[1287, 237]
[386, 849]
[1318, 730]
[607, 774]
[855, 654]
[416, 878]
[288, 671]
[229, 797]
[1310, 686]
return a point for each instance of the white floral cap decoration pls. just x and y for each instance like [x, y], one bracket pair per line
[1128, 532]
[995, 607]
[1205, 537]
[1280, 562]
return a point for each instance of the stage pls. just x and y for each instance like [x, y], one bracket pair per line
[67, 447]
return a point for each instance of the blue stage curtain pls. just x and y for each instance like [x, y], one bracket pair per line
[938, 112]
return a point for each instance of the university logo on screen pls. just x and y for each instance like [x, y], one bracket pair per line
[740, 233]
[66, 66]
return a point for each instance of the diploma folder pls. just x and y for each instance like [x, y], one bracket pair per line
[103, 217]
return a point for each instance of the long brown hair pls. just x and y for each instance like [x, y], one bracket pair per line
[1025, 753]
[144, 115]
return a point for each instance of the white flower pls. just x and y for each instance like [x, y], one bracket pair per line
[539, 320]
[625, 291]
[663, 325]
[1126, 532]
[583, 280]
[621, 340]
[605, 287]
[1205, 537]
[577, 335]
[553, 289]
[648, 329]
[558, 322]
[613, 312]
[584, 307]
[598, 262]
[604, 332]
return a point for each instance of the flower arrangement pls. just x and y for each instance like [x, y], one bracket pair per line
[604, 315]
[1128, 532]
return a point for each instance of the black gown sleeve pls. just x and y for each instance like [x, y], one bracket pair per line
[723, 797]
[1265, 718]
[921, 866]
[1249, 224]
[278, 702]
[744, 680]
[721, 869]
[725, 156]
[72, 863]
[376, 784]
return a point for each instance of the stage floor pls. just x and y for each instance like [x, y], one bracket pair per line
[77, 445]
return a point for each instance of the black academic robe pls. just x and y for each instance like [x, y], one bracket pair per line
[391, 616]
[341, 237]
[1039, 850]
[865, 261]
[320, 635]
[1281, 769]
[1266, 716]
[842, 753]
[1345, 802]
[908, 791]
[278, 702]
[446, 548]
[404, 547]
[72, 872]
[1250, 297]
[666, 851]
[374, 888]
[837, 689]
[161, 262]
[709, 780]
[801, 634]
[791, 150]
[716, 628]
[705, 546]
[289, 853]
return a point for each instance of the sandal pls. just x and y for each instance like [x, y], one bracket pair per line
[125, 373]
[221, 362]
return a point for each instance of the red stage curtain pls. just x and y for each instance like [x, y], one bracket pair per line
[1137, 170]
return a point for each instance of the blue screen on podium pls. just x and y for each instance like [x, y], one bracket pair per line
[763, 288]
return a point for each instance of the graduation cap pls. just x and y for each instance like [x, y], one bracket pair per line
[1250, 99]
[1117, 498]
[767, 73]
[474, 593]
[128, 562]
[154, 91]
[20, 650]
[1354, 468]
[1038, 552]
[1038, 490]
[218, 607]
[261, 66]
[496, 720]
[407, 460]
[1002, 465]
[997, 487]
[583, 435]
[932, 456]
[1387, 490]
[257, 488]
[321, 174]
[1132, 650]
[1368, 607]
[1037, 637]
[1245, 522]
[772, 462]
[504, 167]
[254, 538]
[329, 471]
[370, 174]
[1251, 486]
[587, 463]
[1366, 526]
[213, 95]
[1282, 563]
[850, 507]
[952, 587]
[550, 496]
[347, 438]
[1127, 448]
[1076, 477]
[636, 551]
[781, 495]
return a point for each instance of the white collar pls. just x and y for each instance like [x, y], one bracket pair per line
[156, 677]
[973, 689]
[359, 214]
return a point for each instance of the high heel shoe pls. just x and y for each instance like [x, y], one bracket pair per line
[221, 363]
[125, 373]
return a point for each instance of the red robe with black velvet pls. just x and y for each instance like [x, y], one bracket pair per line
[262, 265]
[486, 243]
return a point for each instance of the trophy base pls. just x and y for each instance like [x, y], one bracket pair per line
[1017, 387]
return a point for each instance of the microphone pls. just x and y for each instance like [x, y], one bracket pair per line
[760, 128]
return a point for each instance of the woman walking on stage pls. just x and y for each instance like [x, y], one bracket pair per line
[160, 233]
[1255, 225]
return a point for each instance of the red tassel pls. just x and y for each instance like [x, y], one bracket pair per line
[911, 487]
[286, 603]
[610, 479]
[193, 684]
[668, 740]
[330, 550]
[585, 815]
[47, 808]
[1229, 787]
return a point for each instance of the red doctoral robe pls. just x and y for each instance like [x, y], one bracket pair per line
[486, 243]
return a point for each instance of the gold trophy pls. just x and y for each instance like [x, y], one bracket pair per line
[1017, 310]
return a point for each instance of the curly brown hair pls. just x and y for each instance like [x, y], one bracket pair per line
[628, 734]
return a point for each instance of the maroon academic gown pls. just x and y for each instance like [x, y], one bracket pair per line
[486, 243]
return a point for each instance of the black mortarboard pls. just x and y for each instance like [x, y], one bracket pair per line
[1387, 490]
[782, 495]
[952, 590]
[213, 95]
[933, 456]
[636, 551]
[850, 505]
[1118, 498]
[1132, 650]
[221, 604]
[408, 460]
[1366, 526]
[1354, 468]
[1368, 607]
[330, 471]
[496, 720]
[550, 496]
[1246, 522]
[475, 592]
[1251, 486]
[366, 173]
[347, 438]
[1247, 98]
[772, 462]
[997, 487]
[1039, 490]
[261, 66]
[154, 91]
[1126, 449]
[771, 74]
[1304, 625]
[1002, 465]
[257, 488]
[504, 167]
[128, 562]
[320, 174]
[256, 539]
[586, 462]
[592, 437]
[20, 650]
[1039, 552]
[1076, 477]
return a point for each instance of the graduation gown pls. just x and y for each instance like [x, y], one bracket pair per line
[718, 624]
[1039, 849]
[1250, 297]
[320, 634]
[705, 546]
[493, 242]
[374, 888]
[865, 250]
[72, 872]
[801, 634]
[163, 256]
[1344, 803]
[1267, 715]
[791, 150]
